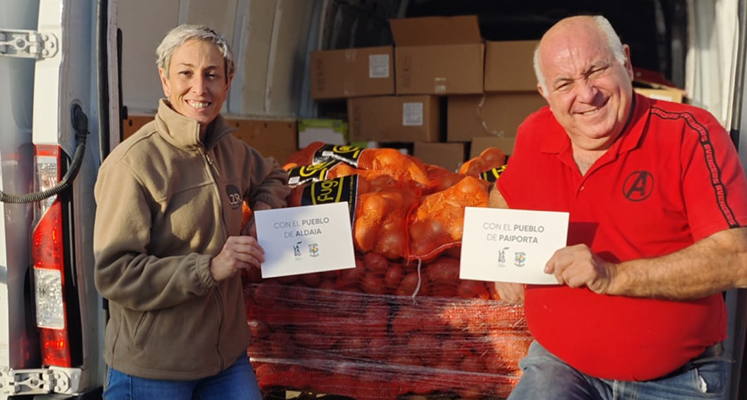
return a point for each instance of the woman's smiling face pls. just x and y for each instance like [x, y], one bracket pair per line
[196, 83]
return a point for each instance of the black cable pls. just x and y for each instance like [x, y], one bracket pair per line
[80, 124]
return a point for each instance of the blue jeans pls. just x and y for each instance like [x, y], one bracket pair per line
[237, 382]
[548, 377]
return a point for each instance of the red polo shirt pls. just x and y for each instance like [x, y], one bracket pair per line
[671, 179]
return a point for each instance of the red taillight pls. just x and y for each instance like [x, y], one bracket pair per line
[49, 267]
[47, 240]
[55, 347]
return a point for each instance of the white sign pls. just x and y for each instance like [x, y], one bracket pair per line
[302, 240]
[412, 114]
[504, 245]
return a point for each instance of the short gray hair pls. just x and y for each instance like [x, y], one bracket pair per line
[183, 33]
[613, 41]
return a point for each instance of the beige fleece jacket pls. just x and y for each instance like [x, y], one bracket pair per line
[166, 204]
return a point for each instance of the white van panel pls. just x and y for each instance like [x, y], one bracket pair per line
[16, 79]
[217, 14]
[288, 51]
[271, 60]
[268, 38]
[47, 81]
[143, 24]
[253, 58]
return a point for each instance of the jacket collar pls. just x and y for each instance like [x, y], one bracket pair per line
[184, 132]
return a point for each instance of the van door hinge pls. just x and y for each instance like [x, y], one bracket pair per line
[27, 44]
[39, 381]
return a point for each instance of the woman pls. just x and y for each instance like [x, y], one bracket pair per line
[168, 241]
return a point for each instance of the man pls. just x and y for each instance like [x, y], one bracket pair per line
[658, 203]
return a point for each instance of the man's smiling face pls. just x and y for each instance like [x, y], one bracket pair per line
[588, 89]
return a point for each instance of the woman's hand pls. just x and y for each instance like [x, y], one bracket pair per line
[239, 252]
[512, 293]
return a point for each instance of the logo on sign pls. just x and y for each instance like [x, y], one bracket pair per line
[314, 250]
[297, 250]
[502, 257]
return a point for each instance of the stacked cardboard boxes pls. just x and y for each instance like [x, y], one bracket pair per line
[339, 74]
[438, 55]
[433, 57]
[451, 94]
[492, 118]
[394, 118]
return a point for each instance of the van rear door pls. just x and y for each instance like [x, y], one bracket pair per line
[53, 122]
[16, 156]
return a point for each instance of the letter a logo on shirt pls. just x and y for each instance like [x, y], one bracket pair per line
[638, 186]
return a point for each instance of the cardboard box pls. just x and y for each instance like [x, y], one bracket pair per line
[330, 131]
[448, 155]
[509, 66]
[394, 119]
[337, 74]
[653, 84]
[478, 144]
[273, 138]
[492, 114]
[650, 78]
[438, 55]
[669, 94]
[133, 123]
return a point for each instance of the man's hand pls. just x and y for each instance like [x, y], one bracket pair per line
[239, 252]
[577, 266]
[512, 293]
[496, 199]
[509, 292]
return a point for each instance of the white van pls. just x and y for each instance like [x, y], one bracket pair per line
[62, 105]
[54, 118]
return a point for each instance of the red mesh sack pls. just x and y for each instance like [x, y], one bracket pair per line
[401, 166]
[353, 336]
[490, 158]
[381, 221]
[441, 178]
[379, 207]
[436, 223]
